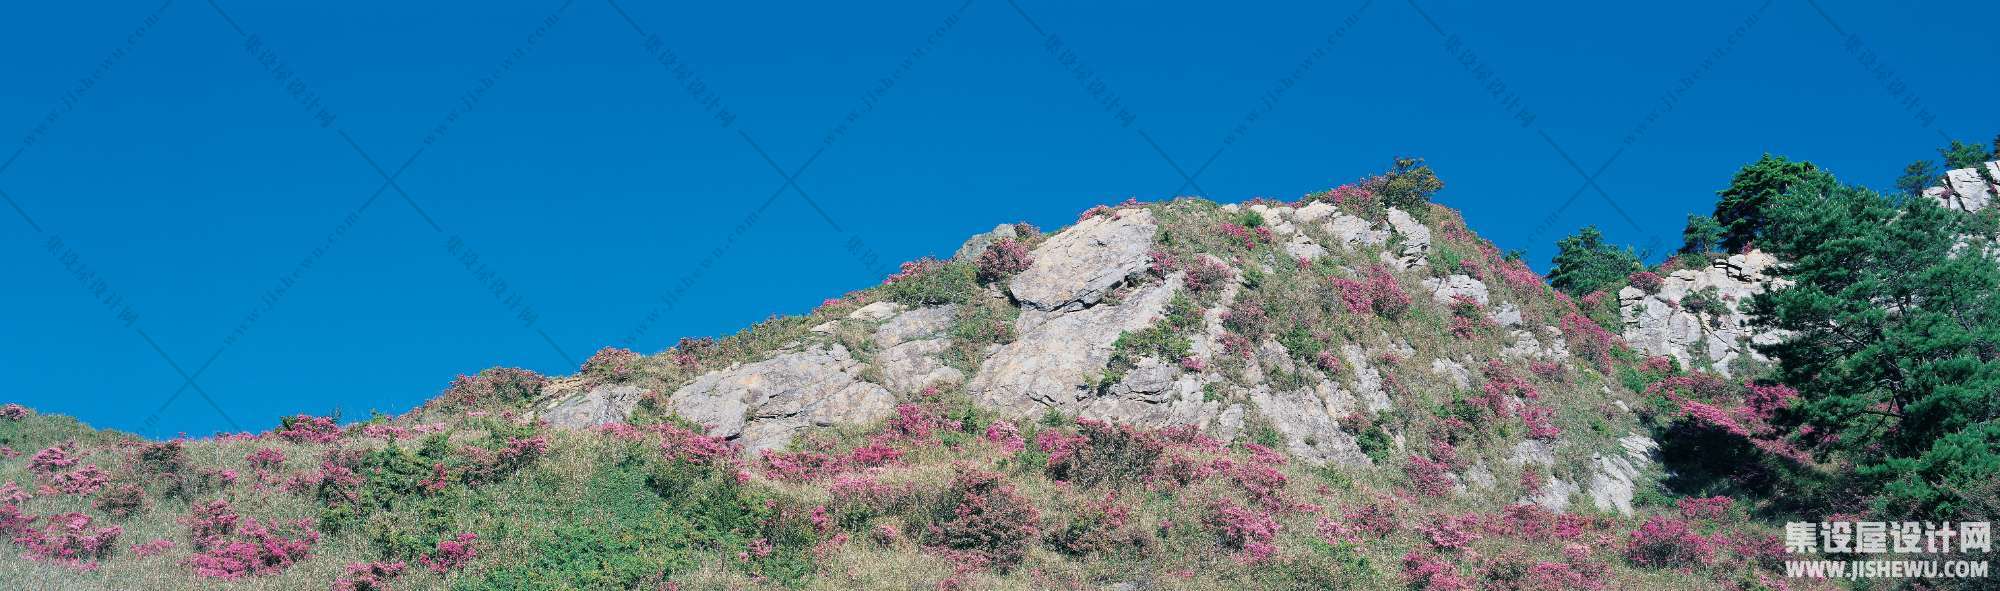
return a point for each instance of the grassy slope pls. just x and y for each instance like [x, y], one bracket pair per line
[596, 510]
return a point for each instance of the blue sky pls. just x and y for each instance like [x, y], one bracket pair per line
[231, 204]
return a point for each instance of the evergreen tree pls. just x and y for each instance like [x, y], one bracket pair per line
[1585, 263]
[1701, 236]
[1963, 155]
[1740, 208]
[1894, 343]
[1916, 177]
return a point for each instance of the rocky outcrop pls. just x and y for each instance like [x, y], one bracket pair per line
[1612, 482]
[1352, 231]
[977, 243]
[762, 405]
[1052, 362]
[1447, 289]
[1078, 266]
[1673, 321]
[1415, 238]
[910, 345]
[1968, 189]
[607, 403]
[1309, 421]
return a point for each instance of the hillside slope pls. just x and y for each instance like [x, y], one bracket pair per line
[1350, 390]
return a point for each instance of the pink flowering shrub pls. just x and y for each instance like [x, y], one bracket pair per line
[1549, 370]
[1430, 478]
[919, 423]
[910, 270]
[307, 429]
[1005, 435]
[14, 412]
[1715, 507]
[982, 519]
[1590, 340]
[1003, 259]
[1539, 420]
[1243, 235]
[1765, 401]
[1378, 291]
[1095, 528]
[1106, 453]
[1236, 344]
[256, 549]
[611, 363]
[502, 385]
[369, 576]
[1327, 361]
[1663, 542]
[70, 540]
[1246, 318]
[1161, 263]
[266, 457]
[84, 481]
[874, 453]
[1431, 573]
[1206, 274]
[50, 461]
[451, 554]
[1252, 533]
[1452, 532]
[1646, 281]
[801, 465]
[153, 548]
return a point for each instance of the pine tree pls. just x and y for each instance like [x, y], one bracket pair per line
[1740, 207]
[1963, 155]
[1585, 263]
[1894, 343]
[1701, 235]
[1918, 176]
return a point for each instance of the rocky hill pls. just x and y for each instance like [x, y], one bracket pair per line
[1352, 390]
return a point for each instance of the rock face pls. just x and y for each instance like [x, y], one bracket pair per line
[1444, 290]
[1077, 267]
[610, 403]
[761, 405]
[1968, 189]
[1308, 418]
[910, 344]
[1416, 239]
[978, 243]
[1664, 323]
[1612, 484]
[1047, 365]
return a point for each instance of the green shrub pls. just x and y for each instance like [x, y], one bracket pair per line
[1408, 186]
[933, 283]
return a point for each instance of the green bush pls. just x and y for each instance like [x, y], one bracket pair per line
[1408, 186]
[933, 283]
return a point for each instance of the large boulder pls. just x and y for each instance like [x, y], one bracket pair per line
[762, 405]
[977, 243]
[606, 403]
[910, 344]
[1309, 421]
[1416, 240]
[1058, 354]
[1444, 290]
[1659, 323]
[1613, 479]
[1076, 267]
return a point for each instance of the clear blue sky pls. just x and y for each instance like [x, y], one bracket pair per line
[188, 178]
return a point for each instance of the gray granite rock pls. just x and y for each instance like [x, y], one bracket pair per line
[1076, 267]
